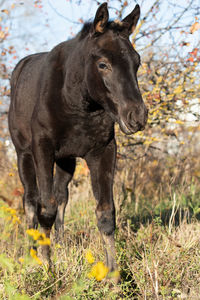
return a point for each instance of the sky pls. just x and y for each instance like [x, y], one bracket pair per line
[56, 21]
[39, 25]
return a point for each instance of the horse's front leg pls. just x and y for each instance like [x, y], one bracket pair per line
[102, 167]
[47, 207]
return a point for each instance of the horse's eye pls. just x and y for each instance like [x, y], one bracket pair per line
[102, 65]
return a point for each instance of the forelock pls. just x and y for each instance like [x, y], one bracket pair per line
[115, 26]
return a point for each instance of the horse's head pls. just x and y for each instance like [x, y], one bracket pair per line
[111, 74]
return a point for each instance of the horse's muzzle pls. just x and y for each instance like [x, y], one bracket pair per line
[134, 122]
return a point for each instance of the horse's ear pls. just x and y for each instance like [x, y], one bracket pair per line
[132, 19]
[101, 18]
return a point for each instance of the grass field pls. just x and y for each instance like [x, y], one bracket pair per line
[157, 236]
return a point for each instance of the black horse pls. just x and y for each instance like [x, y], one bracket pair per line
[64, 104]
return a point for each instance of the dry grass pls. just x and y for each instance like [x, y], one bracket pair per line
[156, 261]
[157, 236]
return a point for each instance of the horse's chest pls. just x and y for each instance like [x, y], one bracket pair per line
[82, 138]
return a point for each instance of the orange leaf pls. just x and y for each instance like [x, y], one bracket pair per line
[2, 34]
[17, 192]
[5, 11]
[194, 27]
[194, 52]
[190, 59]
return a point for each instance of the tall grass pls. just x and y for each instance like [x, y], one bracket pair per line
[157, 237]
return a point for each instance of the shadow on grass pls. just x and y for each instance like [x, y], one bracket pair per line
[164, 217]
[128, 284]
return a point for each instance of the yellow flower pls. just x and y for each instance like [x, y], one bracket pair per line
[44, 241]
[89, 257]
[32, 252]
[58, 246]
[34, 255]
[10, 210]
[98, 271]
[179, 122]
[34, 233]
[21, 260]
[16, 220]
[38, 236]
[12, 214]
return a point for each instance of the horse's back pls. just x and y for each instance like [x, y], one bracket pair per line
[24, 89]
[34, 75]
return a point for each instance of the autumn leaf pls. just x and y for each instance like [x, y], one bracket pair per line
[185, 44]
[194, 27]
[160, 78]
[18, 192]
[179, 122]
[190, 59]
[194, 52]
[178, 90]
[5, 11]
[2, 34]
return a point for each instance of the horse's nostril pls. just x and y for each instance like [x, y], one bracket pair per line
[130, 117]
[137, 120]
[140, 126]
